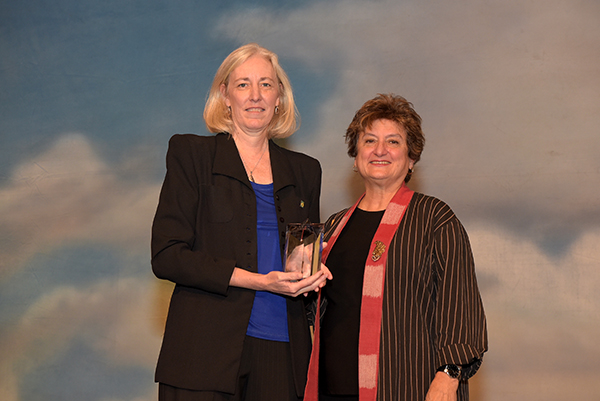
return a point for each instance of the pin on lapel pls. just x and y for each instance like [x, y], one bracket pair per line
[378, 251]
[302, 204]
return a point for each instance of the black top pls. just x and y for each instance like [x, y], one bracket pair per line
[338, 369]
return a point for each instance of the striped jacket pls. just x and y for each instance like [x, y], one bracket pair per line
[432, 310]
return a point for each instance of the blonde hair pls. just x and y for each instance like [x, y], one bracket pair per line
[216, 113]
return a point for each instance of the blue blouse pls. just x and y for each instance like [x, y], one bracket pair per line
[269, 311]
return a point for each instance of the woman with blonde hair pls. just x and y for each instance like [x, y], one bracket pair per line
[236, 328]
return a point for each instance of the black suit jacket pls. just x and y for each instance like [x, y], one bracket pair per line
[205, 226]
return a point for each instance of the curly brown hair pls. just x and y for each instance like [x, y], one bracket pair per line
[388, 107]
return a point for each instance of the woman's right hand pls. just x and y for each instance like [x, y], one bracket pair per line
[292, 283]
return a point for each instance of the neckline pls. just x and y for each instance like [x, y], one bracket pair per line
[370, 211]
[261, 185]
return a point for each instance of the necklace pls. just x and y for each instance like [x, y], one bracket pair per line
[256, 165]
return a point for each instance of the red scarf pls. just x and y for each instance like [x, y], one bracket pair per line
[372, 299]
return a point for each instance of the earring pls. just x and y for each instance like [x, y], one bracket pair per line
[354, 168]
[229, 110]
[276, 109]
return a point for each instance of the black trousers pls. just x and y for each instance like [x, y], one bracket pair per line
[265, 375]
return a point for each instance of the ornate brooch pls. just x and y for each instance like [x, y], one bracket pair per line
[378, 251]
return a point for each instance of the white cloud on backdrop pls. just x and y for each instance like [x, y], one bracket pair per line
[68, 194]
[117, 318]
[564, 287]
[543, 317]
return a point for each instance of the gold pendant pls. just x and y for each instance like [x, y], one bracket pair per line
[378, 251]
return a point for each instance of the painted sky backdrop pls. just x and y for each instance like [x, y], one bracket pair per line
[90, 92]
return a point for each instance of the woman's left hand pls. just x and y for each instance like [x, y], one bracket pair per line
[328, 276]
[442, 388]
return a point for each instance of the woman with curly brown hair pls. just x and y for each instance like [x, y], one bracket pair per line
[404, 319]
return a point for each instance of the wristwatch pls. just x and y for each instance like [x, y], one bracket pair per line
[453, 371]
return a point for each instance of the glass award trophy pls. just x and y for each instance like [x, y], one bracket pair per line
[303, 247]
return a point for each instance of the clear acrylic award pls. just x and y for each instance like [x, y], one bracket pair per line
[303, 247]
